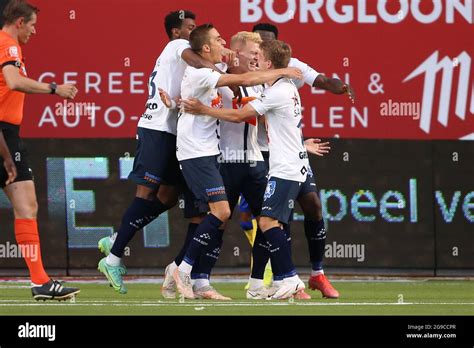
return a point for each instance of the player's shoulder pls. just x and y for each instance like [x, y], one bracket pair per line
[280, 88]
[174, 45]
[177, 43]
[296, 63]
[197, 73]
[9, 46]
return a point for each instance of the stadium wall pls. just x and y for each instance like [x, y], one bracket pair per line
[390, 204]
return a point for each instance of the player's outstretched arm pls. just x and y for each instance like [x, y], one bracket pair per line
[335, 86]
[20, 83]
[316, 147]
[7, 160]
[194, 106]
[254, 78]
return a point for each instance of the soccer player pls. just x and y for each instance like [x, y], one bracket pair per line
[242, 167]
[198, 145]
[19, 25]
[314, 228]
[155, 168]
[289, 166]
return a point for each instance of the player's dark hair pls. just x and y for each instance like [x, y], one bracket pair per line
[200, 36]
[278, 52]
[266, 27]
[175, 20]
[16, 9]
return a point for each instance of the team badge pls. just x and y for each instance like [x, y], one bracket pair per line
[13, 52]
[270, 190]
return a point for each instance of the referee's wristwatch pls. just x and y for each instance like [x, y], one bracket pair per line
[53, 86]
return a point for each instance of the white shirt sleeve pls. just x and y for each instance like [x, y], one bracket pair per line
[181, 46]
[309, 74]
[269, 100]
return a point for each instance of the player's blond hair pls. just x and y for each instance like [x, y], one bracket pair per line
[242, 37]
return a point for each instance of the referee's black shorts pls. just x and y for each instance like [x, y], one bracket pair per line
[17, 148]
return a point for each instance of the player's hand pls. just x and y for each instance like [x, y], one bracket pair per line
[292, 73]
[165, 98]
[193, 106]
[10, 169]
[66, 91]
[229, 57]
[237, 93]
[348, 90]
[316, 147]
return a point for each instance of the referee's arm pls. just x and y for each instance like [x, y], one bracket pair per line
[16, 82]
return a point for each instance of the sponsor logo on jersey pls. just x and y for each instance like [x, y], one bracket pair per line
[215, 191]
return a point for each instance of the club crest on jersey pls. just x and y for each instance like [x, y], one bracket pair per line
[270, 190]
[13, 52]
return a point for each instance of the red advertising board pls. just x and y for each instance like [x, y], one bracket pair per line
[409, 62]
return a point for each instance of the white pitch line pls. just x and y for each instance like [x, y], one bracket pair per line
[232, 304]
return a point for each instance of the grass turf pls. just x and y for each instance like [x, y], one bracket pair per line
[357, 298]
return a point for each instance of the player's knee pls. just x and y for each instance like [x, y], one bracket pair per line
[222, 213]
[169, 201]
[27, 210]
[145, 192]
[266, 223]
[168, 195]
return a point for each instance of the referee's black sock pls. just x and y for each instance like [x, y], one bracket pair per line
[139, 214]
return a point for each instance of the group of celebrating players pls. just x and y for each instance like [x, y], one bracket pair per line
[216, 132]
[213, 132]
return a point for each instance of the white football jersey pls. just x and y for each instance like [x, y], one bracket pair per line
[167, 74]
[309, 75]
[281, 105]
[238, 141]
[198, 136]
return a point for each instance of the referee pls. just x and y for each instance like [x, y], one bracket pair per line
[19, 25]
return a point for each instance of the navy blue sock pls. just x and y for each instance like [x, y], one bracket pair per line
[287, 230]
[206, 233]
[277, 275]
[316, 235]
[203, 265]
[280, 250]
[189, 236]
[260, 255]
[139, 214]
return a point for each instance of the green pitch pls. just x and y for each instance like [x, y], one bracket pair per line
[357, 298]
